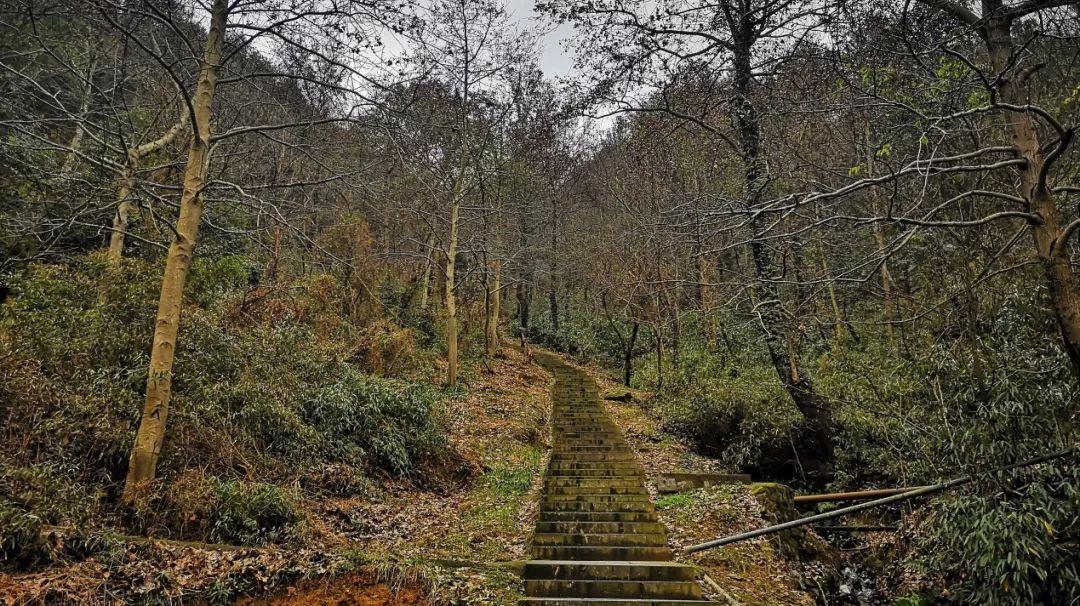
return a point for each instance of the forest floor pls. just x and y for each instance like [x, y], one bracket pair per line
[438, 542]
[397, 542]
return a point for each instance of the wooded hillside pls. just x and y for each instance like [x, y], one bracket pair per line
[267, 267]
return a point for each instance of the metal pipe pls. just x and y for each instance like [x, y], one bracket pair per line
[821, 517]
[856, 528]
[852, 496]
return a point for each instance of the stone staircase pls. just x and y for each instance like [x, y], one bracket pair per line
[598, 541]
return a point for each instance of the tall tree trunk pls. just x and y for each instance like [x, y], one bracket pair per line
[451, 295]
[815, 409]
[628, 355]
[553, 309]
[151, 432]
[553, 287]
[1048, 235]
[523, 300]
[425, 282]
[839, 330]
[888, 305]
[659, 337]
[491, 329]
[275, 257]
[72, 159]
[125, 204]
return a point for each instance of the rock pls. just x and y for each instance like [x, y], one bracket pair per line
[680, 482]
[619, 395]
[778, 506]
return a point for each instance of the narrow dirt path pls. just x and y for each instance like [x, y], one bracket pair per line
[598, 540]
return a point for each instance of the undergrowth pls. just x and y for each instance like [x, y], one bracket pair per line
[274, 398]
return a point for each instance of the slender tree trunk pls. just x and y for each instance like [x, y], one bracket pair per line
[72, 159]
[839, 330]
[888, 309]
[553, 298]
[275, 258]
[151, 432]
[888, 305]
[628, 355]
[425, 282]
[125, 204]
[659, 337]
[523, 298]
[491, 328]
[451, 296]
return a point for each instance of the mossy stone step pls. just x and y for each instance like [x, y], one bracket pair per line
[607, 602]
[598, 474]
[586, 464]
[596, 498]
[583, 527]
[597, 516]
[578, 443]
[610, 571]
[601, 552]
[564, 449]
[609, 482]
[595, 490]
[598, 506]
[592, 453]
[617, 539]
[668, 590]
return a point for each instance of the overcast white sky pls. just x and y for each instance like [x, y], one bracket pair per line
[555, 61]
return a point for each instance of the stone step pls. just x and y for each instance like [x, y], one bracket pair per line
[591, 435]
[667, 590]
[597, 441]
[608, 482]
[615, 570]
[599, 506]
[597, 474]
[602, 457]
[609, 602]
[600, 527]
[572, 463]
[579, 445]
[596, 490]
[601, 552]
[595, 498]
[597, 516]
[621, 539]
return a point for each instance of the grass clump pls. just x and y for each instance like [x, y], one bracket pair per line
[253, 513]
[673, 501]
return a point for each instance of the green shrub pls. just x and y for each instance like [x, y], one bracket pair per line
[253, 513]
[32, 498]
[1012, 542]
[733, 417]
[391, 423]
